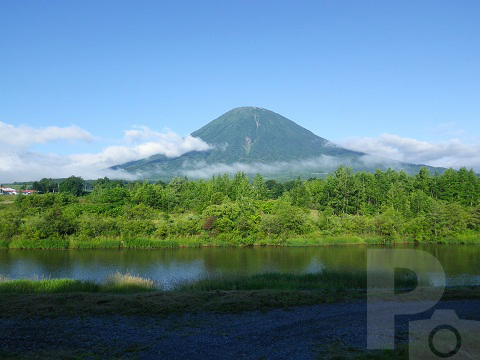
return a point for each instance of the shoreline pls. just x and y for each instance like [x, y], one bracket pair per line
[74, 243]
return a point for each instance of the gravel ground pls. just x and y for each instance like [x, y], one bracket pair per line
[296, 333]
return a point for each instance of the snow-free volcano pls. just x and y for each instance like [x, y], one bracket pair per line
[257, 140]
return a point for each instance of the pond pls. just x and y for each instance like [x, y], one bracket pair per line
[171, 266]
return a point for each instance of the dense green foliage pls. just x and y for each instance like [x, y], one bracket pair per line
[346, 207]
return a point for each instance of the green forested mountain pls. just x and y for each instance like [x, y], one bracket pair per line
[256, 140]
[249, 134]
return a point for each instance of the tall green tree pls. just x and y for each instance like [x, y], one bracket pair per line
[73, 185]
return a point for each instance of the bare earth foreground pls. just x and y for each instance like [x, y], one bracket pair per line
[304, 332]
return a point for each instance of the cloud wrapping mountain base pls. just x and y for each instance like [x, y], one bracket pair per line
[451, 153]
[256, 140]
[324, 164]
[248, 139]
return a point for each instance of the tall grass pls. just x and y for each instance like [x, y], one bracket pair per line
[309, 240]
[327, 279]
[116, 283]
[151, 242]
[142, 243]
[127, 283]
[466, 239]
[50, 286]
[93, 243]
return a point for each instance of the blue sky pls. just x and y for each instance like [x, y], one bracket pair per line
[399, 78]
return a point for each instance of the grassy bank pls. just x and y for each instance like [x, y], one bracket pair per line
[128, 283]
[327, 279]
[72, 242]
[115, 283]
[131, 295]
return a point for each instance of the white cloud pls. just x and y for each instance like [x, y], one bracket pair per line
[203, 170]
[18, 163]
[452, 153]
[167, 143]
[21, 136]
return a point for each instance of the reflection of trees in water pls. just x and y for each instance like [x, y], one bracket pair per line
[286, 259]
[456, 259]
[34, 262]
[259, 259]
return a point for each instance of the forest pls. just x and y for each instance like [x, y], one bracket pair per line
[346, 207]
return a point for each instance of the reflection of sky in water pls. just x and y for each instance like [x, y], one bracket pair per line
[169, 267]
[463, 280]
[315, 266]
[436, 279]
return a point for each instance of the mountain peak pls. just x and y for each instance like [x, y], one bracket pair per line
[254, 139]
[249, 108]
[257, 134]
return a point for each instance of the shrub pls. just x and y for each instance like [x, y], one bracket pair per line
[185, 225]
[10, 223]
[285, 219]
[93, 226]
[133, 228]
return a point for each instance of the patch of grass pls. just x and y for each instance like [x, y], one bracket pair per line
[52, 286]
[95, 243]
[127, 283]
[174, 242]
[331, 240]
[140, 243]
[462, 239]
[332, 279]
[151, 242]
[7, 198]
[116, 283]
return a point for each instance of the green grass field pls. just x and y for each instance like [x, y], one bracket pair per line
[128, 294]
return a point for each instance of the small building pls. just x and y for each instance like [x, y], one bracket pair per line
[8, 191]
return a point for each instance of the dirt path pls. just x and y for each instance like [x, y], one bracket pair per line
[297, 333]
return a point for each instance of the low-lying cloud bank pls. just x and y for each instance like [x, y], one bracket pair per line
[323, 163]
[202, 170]
[452, 153]
[19, 163]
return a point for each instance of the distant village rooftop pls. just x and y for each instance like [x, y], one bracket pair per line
[10, 191]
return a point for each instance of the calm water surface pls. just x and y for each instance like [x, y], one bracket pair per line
[170, 266]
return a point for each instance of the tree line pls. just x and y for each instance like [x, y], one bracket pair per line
[389, 206]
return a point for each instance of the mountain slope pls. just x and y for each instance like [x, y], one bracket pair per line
[253, 139]
[258, 135]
